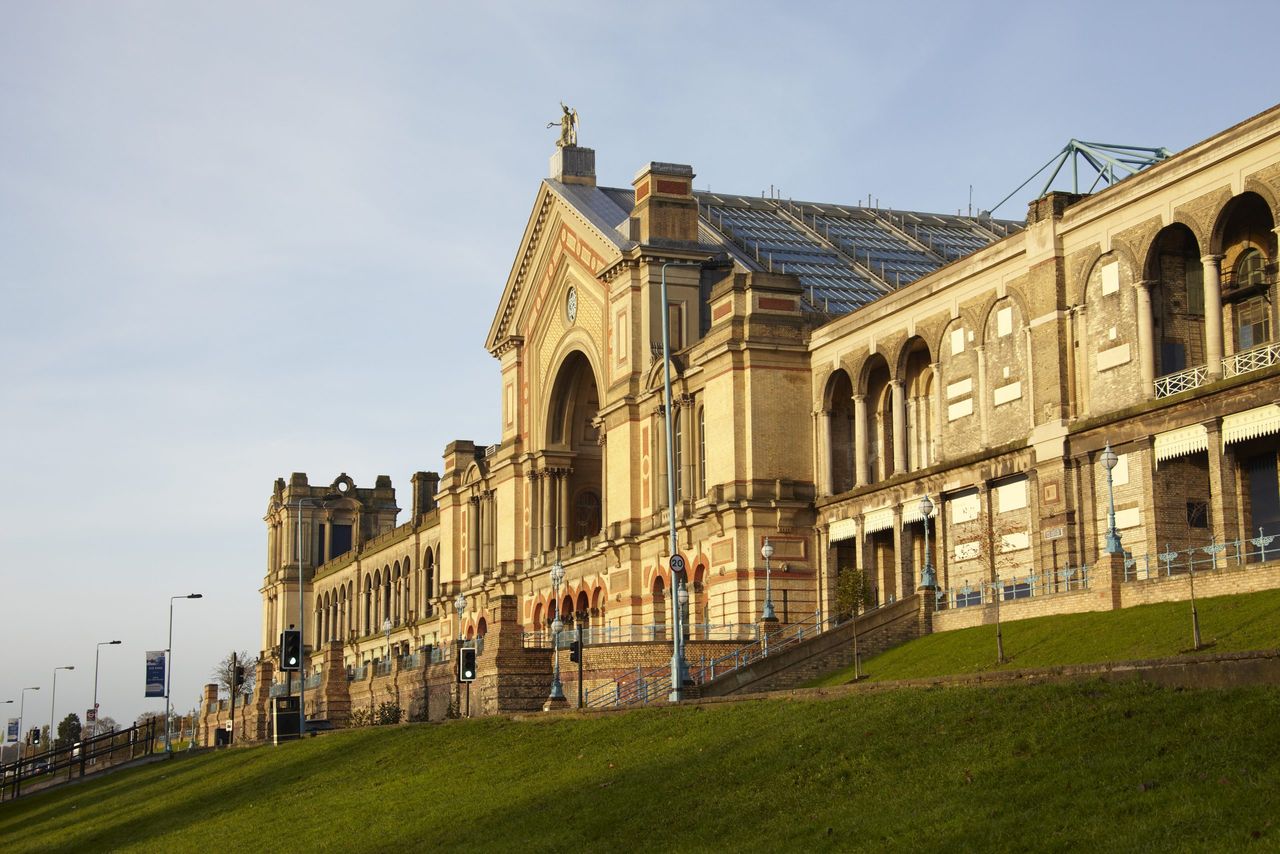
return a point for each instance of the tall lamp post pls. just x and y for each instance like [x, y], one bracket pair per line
[168, 664]
[97, 650]
[460, 605]
[53, 699]
[302, 624]
[677, 567]
[927, 576]
[766, 552]
[22, 707]
[557, 576]
[1109, 460]
[6, 735]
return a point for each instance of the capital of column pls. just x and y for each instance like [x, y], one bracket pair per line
[1145, 284]
[859, 398]
[1210, 259]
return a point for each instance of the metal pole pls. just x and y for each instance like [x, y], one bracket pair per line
[97, 650]
[302, 639]
[168, 677]
[768, 591]
[677, 646]
[53, 700]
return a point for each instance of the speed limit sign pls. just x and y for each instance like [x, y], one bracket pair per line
[677, 563]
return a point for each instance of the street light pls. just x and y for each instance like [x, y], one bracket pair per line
[22, 707]
[302, 624]
[97, 650]
[766, 552]
[927, 576]
[557, 576]
[1109, 460]
[53, 699]
[168, 663]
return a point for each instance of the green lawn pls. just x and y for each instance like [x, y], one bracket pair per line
[1227, 624]
[1046, 767]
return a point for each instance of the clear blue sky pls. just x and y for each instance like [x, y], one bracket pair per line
[241, 240]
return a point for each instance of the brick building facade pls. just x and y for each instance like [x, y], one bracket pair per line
[832, 365]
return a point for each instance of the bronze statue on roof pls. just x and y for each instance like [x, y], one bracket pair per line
[568, 127]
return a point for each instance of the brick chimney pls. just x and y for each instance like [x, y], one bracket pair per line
[665, 207]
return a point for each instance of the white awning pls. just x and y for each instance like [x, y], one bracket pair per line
[843, 529]
[877, 520]
[1250, 424]
[1180, 442]
[911, 511]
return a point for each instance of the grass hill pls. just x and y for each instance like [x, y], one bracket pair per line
[1227, 624]
[1046, 767]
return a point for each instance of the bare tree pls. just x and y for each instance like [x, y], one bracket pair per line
[853, 596]
[224, 676]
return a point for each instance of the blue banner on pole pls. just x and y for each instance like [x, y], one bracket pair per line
[11, 732]
[155, 673]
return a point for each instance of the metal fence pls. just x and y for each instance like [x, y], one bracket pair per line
[986, 592]
[595, 635]
[109, 747]
[1206, 558]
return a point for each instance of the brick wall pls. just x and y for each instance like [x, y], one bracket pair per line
[1225, 582]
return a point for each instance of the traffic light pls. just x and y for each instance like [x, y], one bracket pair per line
[291, 649]
[467, 664]
[575, 651]
[35, 736]
[239, 675]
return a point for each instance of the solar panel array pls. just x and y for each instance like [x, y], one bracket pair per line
[845, 257]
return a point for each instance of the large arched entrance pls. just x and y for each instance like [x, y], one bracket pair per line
[572, 506]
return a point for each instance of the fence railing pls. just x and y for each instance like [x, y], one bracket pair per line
[1063, 580]
[116, 746]
[643, 686]
[594, 635]
[1207, 558]
[1182, 381]
[1254, 359]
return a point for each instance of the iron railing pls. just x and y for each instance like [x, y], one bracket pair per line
[1206, 558]
[594, 635]
[1064, 580]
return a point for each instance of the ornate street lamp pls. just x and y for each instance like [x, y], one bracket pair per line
[557, 576]
[1109, 460]
[928, 578]
[766, 551]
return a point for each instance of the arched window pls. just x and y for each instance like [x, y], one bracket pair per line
[702, 451]
[678, 440]
[586, 515]
[1252, 314]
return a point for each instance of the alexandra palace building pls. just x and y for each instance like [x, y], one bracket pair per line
[1107, 366]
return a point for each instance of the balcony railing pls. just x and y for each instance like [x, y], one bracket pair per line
[1182, 381]
[1246, 361]
[1254, 359]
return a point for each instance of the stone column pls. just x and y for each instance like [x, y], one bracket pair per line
[1212, 315]
[562, 487]
[860, 439]
[826, 469]
[1223, 489]
[981, 401]
[904, 584]
[1146, 337]
[474, 535]
[899, 426]
[545, 516]
[935, 437]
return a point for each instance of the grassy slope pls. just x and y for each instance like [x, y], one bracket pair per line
[1046, 767]
[1227, 624]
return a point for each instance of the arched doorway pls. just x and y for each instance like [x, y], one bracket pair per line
[571, 508]
[839, 406]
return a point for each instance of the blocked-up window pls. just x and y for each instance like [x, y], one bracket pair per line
[964, 508]
[1011, 495]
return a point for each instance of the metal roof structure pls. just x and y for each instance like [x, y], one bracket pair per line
[845, 256]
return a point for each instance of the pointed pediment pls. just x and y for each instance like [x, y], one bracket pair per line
[579, 225]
